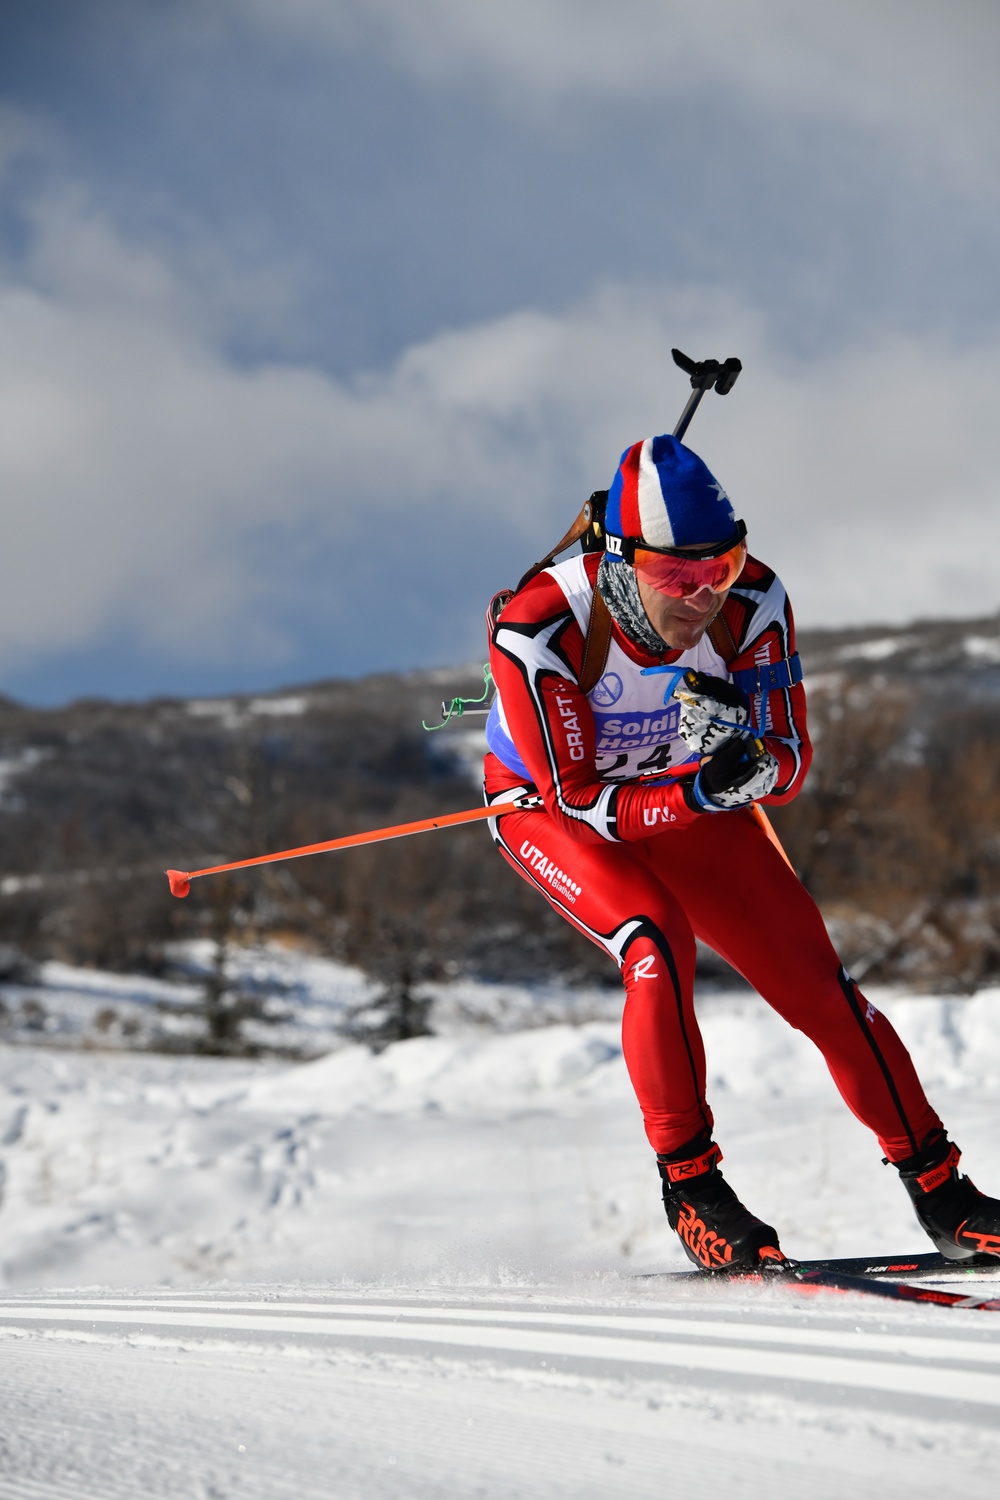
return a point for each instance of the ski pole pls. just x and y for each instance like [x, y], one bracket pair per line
[768, 827]
[180, 880]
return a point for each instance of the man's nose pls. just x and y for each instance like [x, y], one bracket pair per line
[702, 600]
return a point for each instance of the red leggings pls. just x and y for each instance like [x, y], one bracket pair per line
[722, 880]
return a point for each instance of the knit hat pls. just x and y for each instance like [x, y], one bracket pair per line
[665, 496]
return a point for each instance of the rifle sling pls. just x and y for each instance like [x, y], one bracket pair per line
[575, 532]
[596, 644]
[722, 638]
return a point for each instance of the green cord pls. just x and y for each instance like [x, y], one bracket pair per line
[456, 708]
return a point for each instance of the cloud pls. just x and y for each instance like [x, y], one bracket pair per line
[919, 69]
[156, 490]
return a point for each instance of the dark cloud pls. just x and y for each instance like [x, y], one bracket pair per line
[395, 204]
[308, 221]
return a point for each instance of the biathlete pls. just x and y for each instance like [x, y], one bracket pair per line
[651, 694]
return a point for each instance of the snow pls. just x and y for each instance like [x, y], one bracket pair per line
[236, 713]
[177, 1412]
[876, 650]
[211, 708]
[421, 1273]
[465, 749]
[982, 648]
[12, 766]
[281, 708]
[305, 1000]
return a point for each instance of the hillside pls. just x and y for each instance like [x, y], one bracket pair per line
[896, 833]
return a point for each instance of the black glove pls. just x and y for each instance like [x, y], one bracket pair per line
[737, 774]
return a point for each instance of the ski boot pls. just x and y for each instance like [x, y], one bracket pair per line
[717, 1232]
[960, 1219]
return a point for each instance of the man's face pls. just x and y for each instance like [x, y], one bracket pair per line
[680, 623]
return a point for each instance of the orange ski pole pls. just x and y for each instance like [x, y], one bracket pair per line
[180, 880]
[768, 827]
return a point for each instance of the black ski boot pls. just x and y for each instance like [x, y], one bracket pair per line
[960, 1219]
[717, 1232]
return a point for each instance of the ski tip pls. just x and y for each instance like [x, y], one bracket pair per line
[180, 882]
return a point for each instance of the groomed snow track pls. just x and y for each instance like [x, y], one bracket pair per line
[713, 1390]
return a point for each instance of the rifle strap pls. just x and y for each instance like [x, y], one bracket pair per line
[596, 644]
[575, 532]
[722, 638]
[597, 640]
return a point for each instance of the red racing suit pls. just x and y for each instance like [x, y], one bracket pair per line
[620, 853]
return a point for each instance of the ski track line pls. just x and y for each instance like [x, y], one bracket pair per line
[103, 1423]
[917, 1346]
[735, 1356]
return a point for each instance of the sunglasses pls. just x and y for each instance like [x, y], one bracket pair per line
[679, 574]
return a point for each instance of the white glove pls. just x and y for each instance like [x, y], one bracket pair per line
[712, 712]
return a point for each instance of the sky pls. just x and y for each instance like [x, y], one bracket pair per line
[319, 320]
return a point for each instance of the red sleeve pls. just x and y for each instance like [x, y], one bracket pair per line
[759, 617]
[535, 656]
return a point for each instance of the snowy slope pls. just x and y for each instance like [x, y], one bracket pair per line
[496, 1394]
[413, 1274]
[447, 1156]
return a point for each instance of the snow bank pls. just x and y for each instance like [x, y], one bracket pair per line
[307, 1000]
[956, 1040]
[487, 1076]
[449, 1157]
[751, 1053]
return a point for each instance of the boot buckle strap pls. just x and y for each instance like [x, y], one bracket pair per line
[695, 1166]
[935, 1176]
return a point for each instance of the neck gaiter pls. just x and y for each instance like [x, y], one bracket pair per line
[618, 588]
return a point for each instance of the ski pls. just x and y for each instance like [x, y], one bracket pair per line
[929, 1266]
[901, 1291]
[871, 1275]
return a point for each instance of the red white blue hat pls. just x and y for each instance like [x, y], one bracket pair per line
[665, 496]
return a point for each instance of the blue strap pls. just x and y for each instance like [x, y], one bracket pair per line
[783, 674]
[702, 798]
[676, 673]
[753, 680]
[763, 680]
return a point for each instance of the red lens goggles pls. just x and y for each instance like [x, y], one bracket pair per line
[679, 574]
